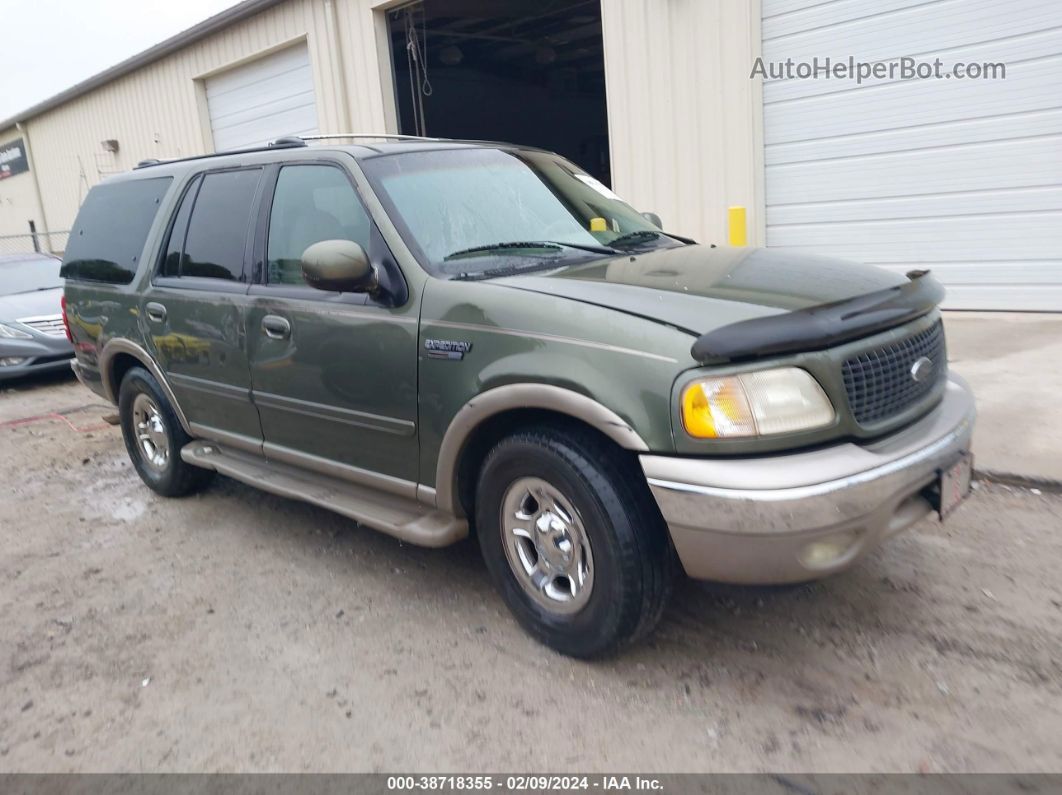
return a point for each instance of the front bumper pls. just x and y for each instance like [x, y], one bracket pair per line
[799, 516]
[39, 355]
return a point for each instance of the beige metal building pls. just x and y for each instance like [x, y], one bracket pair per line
[182, 96]
[654, 97]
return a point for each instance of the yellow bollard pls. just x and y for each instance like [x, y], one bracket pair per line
[735, 217]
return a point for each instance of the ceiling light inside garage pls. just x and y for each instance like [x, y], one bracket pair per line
[451, 55]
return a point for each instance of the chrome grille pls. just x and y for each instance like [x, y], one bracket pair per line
[879, 382]
[52, 325]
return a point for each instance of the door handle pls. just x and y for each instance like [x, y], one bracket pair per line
[155, 312]
[275, 327]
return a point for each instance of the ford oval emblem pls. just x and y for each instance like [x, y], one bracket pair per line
[922, 369]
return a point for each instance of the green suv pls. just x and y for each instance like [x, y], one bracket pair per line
[437, 338]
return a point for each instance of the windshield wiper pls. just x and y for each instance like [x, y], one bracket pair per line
[547, 245]
[645, 236]
[508, 270]
[635, 238]
[34, 290]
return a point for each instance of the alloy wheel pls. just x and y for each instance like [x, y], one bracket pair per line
[152, 441]
[546, 545]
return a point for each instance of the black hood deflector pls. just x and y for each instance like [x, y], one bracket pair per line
[822, 326]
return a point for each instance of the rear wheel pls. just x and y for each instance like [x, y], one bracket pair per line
[573, 540]
[154, 437]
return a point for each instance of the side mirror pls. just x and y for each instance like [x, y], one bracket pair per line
[339, 266]
[654, 219]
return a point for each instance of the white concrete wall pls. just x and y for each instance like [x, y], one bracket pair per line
[685, 120]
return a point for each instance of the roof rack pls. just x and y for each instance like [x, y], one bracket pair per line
[369, 135]
[285, 142]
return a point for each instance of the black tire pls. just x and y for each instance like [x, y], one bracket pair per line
[174, 478]
[631, 555]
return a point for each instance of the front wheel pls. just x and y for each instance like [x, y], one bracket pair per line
[573, 539]
[154, 437]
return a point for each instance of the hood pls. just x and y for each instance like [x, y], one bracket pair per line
[33, 304]
[698, 288]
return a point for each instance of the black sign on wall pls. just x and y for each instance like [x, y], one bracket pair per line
[13, 159]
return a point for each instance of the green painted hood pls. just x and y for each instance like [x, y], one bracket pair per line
[698, 288]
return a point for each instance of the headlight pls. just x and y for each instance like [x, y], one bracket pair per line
[755, 404]
[14, 333]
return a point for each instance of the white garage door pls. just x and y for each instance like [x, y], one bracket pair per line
[262, 100]
[963, 176]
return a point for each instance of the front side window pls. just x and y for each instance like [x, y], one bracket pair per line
[311, 203]
[216, 240]
[467, 210]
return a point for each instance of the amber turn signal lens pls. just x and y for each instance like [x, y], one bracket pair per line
[716, 407]
[782, 400]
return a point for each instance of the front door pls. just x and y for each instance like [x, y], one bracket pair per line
[333, 374]
[195, 309]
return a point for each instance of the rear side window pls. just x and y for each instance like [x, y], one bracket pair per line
[111, 229]
[216, 240]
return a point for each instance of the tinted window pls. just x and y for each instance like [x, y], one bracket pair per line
[171, 261]
[111, 229]
[311, 203]
[26, 275]
[217, 230]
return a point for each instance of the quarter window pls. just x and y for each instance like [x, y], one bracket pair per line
[217, 229]
[311, 203]
[171, 262]
[112, 228]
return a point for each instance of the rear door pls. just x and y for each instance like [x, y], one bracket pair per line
[334, 374]
[195, 310]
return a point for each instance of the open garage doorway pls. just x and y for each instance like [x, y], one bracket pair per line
[525, 71]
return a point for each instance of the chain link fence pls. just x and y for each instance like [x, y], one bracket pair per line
[45, 242]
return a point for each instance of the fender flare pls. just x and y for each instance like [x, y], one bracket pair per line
[119, 345]
[520, 396]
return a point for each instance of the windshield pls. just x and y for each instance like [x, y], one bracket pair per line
[462, 210]
[24, 276]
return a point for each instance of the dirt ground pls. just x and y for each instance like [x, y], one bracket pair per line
[237, 631]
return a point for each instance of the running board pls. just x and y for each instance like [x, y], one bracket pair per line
[401, 517]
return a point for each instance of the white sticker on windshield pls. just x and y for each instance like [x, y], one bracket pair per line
[598, 186]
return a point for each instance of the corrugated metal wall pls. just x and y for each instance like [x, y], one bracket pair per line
[684, 117]
[159, 110]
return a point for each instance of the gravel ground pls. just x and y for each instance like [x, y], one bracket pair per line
[237, 631]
